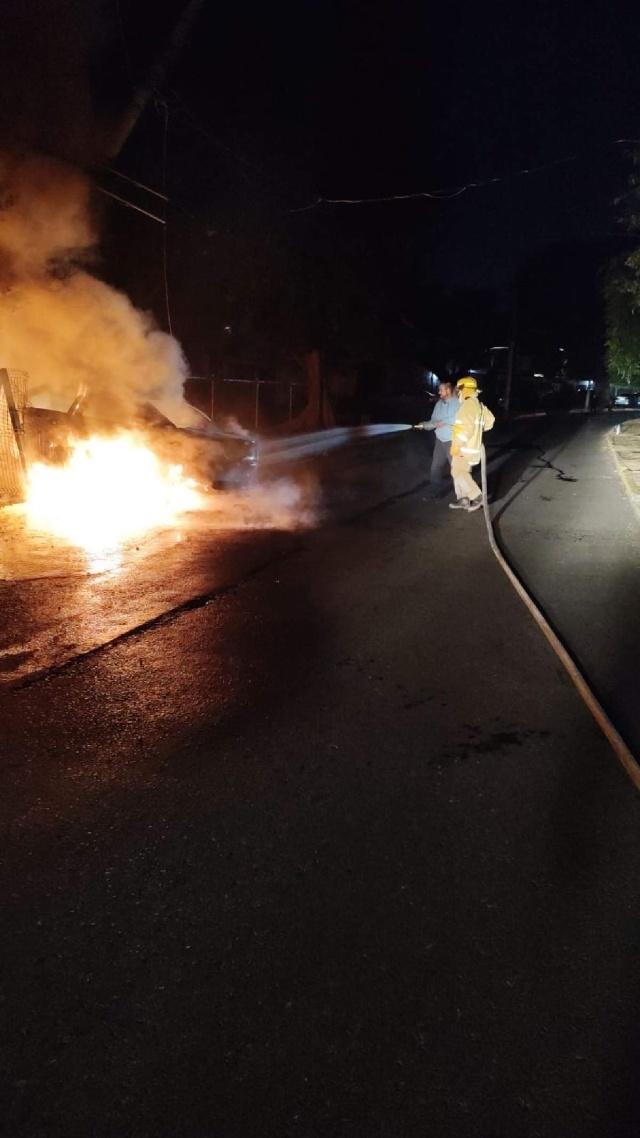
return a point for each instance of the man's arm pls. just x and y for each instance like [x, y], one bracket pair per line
[434, 421]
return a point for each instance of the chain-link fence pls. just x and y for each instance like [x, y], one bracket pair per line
[255, 403]
[13, 400]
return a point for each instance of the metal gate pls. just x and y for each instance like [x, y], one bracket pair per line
[13, 400]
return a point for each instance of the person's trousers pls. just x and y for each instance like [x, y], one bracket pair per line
[440, 461]
[463, 483]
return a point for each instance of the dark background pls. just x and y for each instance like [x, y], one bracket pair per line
[268, 108]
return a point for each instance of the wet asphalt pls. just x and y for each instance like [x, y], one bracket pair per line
[333, 850]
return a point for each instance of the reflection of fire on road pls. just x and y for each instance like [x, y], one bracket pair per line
[38, 540]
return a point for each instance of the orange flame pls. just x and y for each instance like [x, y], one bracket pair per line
[111, 490]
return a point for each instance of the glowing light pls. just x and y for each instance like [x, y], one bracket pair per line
[111, 490]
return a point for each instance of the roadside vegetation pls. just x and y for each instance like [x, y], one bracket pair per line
[622, 291]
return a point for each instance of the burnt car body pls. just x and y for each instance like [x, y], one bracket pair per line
[214, 457]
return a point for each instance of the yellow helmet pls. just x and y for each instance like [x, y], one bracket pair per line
[467, 385]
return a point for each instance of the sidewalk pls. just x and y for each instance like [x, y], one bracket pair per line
[569, 528]
[625, 443]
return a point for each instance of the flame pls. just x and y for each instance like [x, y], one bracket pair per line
[110, 491]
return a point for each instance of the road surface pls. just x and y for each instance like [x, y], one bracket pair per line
[59, 602]
[336, 851]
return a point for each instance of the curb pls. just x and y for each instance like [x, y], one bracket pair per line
[620, 749]
[628, 482]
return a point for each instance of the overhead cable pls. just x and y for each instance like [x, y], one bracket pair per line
[448, 194]
[140, 185]
[241, 159]
[165, 139]
[137, 208]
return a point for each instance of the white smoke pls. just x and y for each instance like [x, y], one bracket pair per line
[73, 333]
[78, 332]
[283, 504]
[63, 326]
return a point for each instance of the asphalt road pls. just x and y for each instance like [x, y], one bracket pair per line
[332, 850]
[59, 603]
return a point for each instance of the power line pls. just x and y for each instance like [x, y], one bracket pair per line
[206, 133]
[163, 105]
[140, 185]
[123, 43]
[443, 194]
[278, 185]
[448, 194]
[130, 205]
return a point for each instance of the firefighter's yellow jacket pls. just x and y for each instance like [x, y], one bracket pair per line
[472, 419]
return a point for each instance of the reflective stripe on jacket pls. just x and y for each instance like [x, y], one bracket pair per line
[472, 419]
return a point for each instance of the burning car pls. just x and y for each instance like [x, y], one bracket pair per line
[213, 457]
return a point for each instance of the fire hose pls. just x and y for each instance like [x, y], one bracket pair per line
[585, 692]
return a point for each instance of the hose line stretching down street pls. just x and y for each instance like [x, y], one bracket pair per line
[622, 751]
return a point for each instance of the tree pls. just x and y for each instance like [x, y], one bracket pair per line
[622, 292]
[622, 300]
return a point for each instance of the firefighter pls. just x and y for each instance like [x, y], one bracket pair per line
[472, 420]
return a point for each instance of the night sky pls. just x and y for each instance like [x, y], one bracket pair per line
[366, 99]
[271, 106]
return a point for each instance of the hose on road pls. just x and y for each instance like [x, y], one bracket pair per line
[616, 741]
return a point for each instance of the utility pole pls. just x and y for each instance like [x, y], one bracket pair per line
[509, 384]
[153, 79]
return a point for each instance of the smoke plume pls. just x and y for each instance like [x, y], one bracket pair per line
[67, 329]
